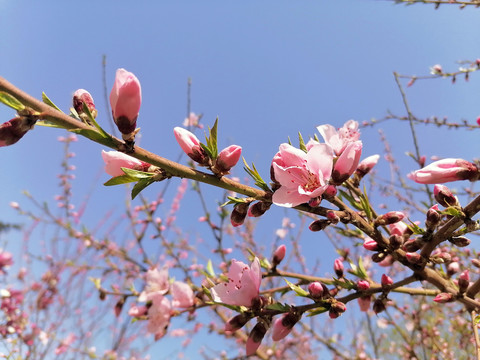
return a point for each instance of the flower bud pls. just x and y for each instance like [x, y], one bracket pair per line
[334, 219]
[191, 145]
[364, 302]
[125, 100]
[444, 196]
[259, 208]
[370, 244]
[433, 217]
[14, 129]
[378, 306]
[227, 159]
[476, 263]
[330, 192]
[115, 160]
[237, 322]
[413, 257]
[278, 255]
[283, 325]
[80, 97]
[319, 225]
[338, 267]
[453, 268]
[239, 213]
[445, 170]
[347, 162]
[316, 290]
[255, 337]
[387, 281]
[463, 281]
[391, 217]
[337, 309]
[314, 202]
[413, 245]
[366, 165]
[363, 285]
[443, 298]
[378, 257]
[396, 241]
[460, 241]
[441, 258]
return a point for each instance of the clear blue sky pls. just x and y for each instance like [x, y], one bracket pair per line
[267, 69]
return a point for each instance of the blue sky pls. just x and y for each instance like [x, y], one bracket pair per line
[267, 69]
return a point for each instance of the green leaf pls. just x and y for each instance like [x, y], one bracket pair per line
[279, 307]
[97, 282]
[86, 110]
[49, 102]
[255, 176]
[11, 101]
[344, 283]
[90, 134]
[302, 143]
[235, 200]
[209, 268]
[362, 272]
[47, 123]
[298, 290]
[137, 174]
[118, 180]
[453, 211]
[140, 185]
[477, 319]
[317, 311]
[350, 199]
[366, 203]
[211, 146]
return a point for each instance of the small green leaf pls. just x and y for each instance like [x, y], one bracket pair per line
[137, 174]
[11, 101]
[302, 143]
[477, 319]
[350, 199]
[366, 204]
[47, 123]
[97, 282]
[49, 102]
[235, 200]
[140, 185]
[317, 311]
[279, 307]
[256, 176]
[209, 268]
[118, 180]
[362, 272]
[211, 146]
[453, 211]
[298, 290]
[86, 110]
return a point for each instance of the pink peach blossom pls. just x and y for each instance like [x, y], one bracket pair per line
[243, 284]
[156, 283]
[190, 145]
[302, 176]
[80, 97]
[347, 162]
[115, 160]
[125, 100]
[159, 315]
[182, 294]
[227, 159]
[339, 139]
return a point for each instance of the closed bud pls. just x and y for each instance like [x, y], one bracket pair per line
[476, 262]
[334, 219]
[191, 146]
[413, 245]
[378, 306]
[347, 162]
[441, 258]
[363, 285]
[366, 165]
[337, 309]
[370, 244]
[396, 241]
[314, 202]
[259, 208]
[387, 281]
[444, 196]
[445, 170]
[239, 213]
[378, 257]
[338, 267]
[284, 325]
[227, 159]
[413, 257]
[316, 290]
[459, 241]
[330, 192]
[81, 97]
[433, 217]
[453, 268]
[463, 281]
[279, 254]
[237, 322]
[255, 337]
[119, 306]
[443, 298]
[391, 217]
[14, 129]
[319, 225]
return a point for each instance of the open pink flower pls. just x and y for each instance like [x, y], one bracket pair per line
[243, 284]
[156, 283]
[115, 160]
[125, 100]
[347, 162]
[302, 176]
[182, 294]
[159, 315]
[339, 139]
[445, 170]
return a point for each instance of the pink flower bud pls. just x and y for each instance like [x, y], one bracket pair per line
[391, 217]
[319, 225]
[81, 97]
[366, 165]
[436, 69]
[330, 192]
[464, 281]
[283, 325]
[259, 208]
[453, 268]
[14, 129]
[460, 241]
[239, 213]
[347, 162]
[363, 285]
[370, 244]
[227, 158]
[443, 298]
[433, 217]
[386, 281]
[125, 100]
[337, 309]
[364, 302]
[444, 196]
[413, 258]
[115, 160]
[315, 289]
[237, 322]
[191, 145]
[445, 170]
[338, 267]
[255, 338]
[279, 254]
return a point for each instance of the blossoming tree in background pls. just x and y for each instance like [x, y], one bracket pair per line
[411, 269]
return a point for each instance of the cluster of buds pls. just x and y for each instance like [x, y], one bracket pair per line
[221, 165]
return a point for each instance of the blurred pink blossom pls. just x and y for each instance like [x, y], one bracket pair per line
[156, 283]
[115, 160]
[339, 139]
[182, 294]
